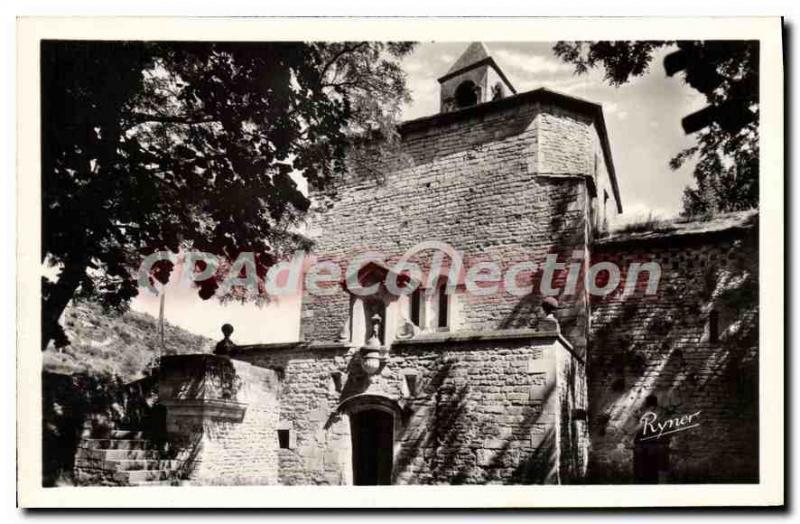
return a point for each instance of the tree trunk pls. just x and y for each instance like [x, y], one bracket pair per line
[58, 296]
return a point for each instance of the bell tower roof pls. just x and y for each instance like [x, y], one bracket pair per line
[474, 53]
[473, 79]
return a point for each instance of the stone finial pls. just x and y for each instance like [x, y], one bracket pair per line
[550, 322]
[225, 345]
[549, 305]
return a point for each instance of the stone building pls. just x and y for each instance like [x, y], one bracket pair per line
[445, 385]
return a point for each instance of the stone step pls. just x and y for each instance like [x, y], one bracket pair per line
[112, 443]
[145, 475]
[112, 433]
[126, 434]
[138, 465]
[117, 454]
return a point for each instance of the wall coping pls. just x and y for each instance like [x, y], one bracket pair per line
[438, 338]
[737, 222]
[447, 337]
[277, 346]
[223, 409]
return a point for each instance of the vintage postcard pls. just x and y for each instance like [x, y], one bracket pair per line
[400, 263]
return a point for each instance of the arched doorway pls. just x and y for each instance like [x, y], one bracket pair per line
[372, 431]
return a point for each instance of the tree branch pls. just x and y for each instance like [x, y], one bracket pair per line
[338, 55]
[142, 118]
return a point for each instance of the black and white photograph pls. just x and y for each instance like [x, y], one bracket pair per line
[516, 263]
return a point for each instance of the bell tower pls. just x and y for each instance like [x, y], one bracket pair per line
[475, 78]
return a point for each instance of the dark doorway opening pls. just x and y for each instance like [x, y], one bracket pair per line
[372, 432]
[466, 94]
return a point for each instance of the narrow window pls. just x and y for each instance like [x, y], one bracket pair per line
[443, 306]
[416, 297]
[713, 326]
[283, 439]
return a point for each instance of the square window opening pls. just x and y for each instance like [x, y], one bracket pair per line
[284, 439]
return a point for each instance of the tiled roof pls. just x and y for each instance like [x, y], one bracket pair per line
[475, 52]
[684, 227]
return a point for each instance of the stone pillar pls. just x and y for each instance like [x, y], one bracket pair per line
[221, 419]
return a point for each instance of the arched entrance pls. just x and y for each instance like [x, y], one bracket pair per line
[372, 431]
[375, 423]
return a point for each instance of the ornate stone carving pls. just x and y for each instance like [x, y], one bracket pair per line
[373, 355]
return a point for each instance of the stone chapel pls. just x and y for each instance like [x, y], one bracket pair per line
[444, 387]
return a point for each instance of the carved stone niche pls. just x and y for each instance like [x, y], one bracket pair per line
[196, 389]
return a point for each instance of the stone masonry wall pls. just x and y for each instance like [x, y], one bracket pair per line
[216, 450]
[507, 185]
[319, 450]
[483, 411]
[662, 345]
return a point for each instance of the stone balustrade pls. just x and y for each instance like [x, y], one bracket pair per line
[195, 388]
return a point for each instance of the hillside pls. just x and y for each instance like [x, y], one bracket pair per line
[105, 344]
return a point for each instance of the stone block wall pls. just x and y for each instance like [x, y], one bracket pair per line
[221, 418]
[662, 345]
[319, 451]
[508, 184]
[487, 412]
[481, 411]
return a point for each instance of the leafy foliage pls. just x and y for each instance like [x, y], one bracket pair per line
[726, 72]
[167, 146]
[120, 346]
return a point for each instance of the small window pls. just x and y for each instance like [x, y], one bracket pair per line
[444, 306]
[713, 327]
[595, 166]
[284, 438]
[415, 307]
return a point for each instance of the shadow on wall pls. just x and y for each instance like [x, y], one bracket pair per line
[72, 404]
[694, 346]
[455, 438]
[566, 238]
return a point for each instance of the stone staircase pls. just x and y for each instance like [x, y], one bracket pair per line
[123, 458]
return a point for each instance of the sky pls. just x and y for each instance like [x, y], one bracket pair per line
[643, 121]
